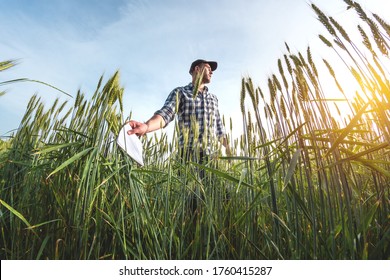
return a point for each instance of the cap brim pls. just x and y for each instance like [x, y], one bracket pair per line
[213, 65]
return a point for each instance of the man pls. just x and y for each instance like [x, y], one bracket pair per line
[197, 112]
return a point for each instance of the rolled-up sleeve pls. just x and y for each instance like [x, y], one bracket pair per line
[220, 128]
[168, 111]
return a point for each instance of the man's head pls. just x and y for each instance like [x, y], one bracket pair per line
[201, 66]
[200, 62]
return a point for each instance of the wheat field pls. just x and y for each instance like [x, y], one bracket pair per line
[303, 184]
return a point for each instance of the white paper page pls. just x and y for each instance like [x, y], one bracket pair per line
[130, 144]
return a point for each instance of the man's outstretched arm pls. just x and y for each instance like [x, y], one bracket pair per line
[139, 128]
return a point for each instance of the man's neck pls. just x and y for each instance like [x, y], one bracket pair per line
[200, 88]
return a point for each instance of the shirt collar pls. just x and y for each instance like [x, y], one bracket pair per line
[190, 86]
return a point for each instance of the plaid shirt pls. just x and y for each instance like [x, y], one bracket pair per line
[198, 116]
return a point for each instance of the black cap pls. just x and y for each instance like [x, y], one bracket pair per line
[213, 64]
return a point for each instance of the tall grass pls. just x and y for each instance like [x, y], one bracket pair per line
[303, 186]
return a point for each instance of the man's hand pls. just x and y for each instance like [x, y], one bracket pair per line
[138, 128]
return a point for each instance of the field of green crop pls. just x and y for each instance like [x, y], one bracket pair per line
[303, 185]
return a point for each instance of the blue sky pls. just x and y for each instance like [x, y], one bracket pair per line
[70, 44]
